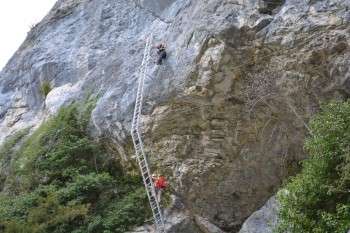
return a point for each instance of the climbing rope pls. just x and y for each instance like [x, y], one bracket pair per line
[138, 144]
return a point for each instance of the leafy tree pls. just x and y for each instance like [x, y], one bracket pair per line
[318, 199]
[63, 181]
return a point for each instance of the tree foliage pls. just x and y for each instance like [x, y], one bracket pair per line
[62, 181]
[318, 199]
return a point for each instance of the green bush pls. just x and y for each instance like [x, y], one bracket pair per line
[63, 181]
[318, 199]
[7, 152]
[122, 213]
[44, 214]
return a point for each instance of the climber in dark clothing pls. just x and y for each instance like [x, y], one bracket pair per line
[161, 53]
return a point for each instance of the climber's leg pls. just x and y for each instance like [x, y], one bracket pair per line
[159, 195]
[160, 60]
[161, 56]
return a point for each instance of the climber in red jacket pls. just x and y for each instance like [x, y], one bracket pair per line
[160, 184]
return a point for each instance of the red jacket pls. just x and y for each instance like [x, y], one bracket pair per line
[160, 183]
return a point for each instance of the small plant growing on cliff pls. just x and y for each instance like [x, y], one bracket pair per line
[318, 199]
[45, 88]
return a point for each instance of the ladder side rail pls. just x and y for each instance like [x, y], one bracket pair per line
[150, 190]
[137, 108]
[146, 164]
[139, 99]
[139, 96]
[151, 184]
[142, 71]
[143, 75]
[141, 90]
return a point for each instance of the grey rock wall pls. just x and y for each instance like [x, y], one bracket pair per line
[226, 115]
[263, 220]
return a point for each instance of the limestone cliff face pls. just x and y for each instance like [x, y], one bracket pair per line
[224, 117]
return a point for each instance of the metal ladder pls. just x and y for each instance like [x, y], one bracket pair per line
[138, 144]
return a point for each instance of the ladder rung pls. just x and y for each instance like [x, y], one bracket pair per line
[142, 163]
[154, 200]
[156, 212]
[158, 215]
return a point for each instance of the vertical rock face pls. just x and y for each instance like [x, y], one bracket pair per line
[224, 117]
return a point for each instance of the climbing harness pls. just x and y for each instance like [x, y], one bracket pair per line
[138, 144]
